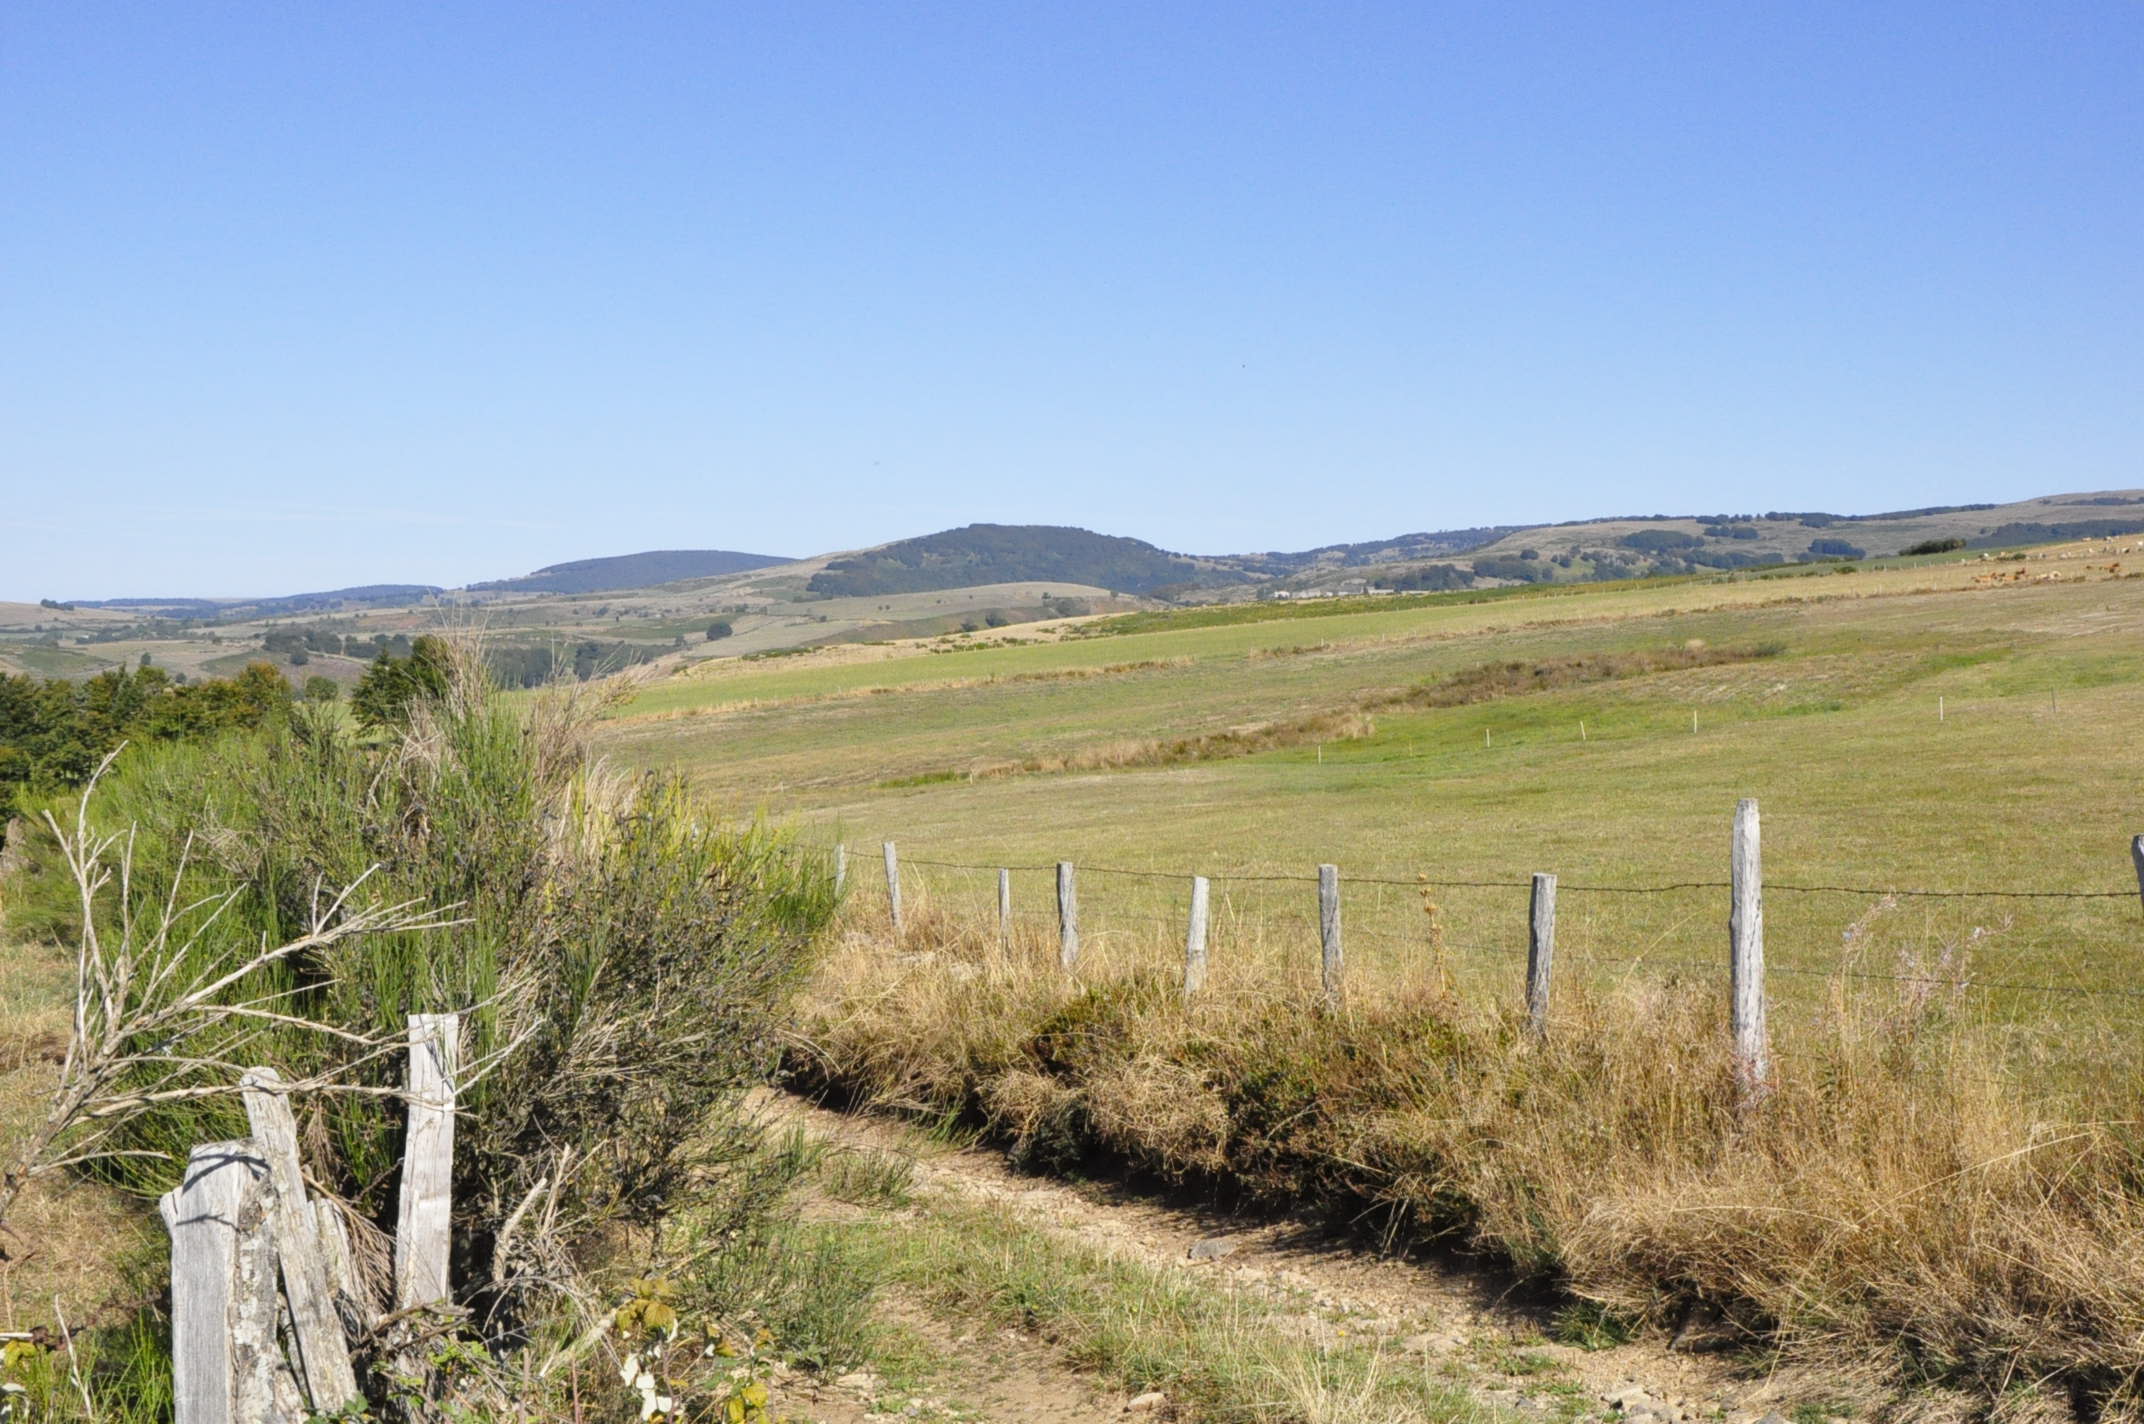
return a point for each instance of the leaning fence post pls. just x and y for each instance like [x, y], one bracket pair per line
[423, 1226]
[354, 1304]
[323, 1352]
[2136, 853]
[1195, 939]
[1067, 916]
[893, 887]
[841, 868]
[266, 1388]
[205, 1214]
[1329, 932]
[1753, 1051]
[1004, 909]
[1540, 952]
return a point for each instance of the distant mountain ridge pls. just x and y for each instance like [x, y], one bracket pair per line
[644, 570]
[979, 554]
[363, 595]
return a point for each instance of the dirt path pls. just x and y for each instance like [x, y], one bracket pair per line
[1003, 1377]
[1465, 1324]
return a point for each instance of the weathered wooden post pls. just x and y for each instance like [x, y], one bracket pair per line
[353, 1305]
[316, 1330]
[893, 888]
[266, 1388]
[215, 1203]
[2136, 853]
[1067, 916]
[1329, 933]
[841, 868]
[1540, 952]
[1195, 939]
[422, 1230]
[1753, 1049]
[1005, 909]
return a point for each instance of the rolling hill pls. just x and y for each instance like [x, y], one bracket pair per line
[1010, 553]
[371, 595]
[645, 570]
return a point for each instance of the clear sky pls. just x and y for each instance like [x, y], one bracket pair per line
[299, 295]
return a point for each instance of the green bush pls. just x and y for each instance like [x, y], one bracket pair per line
[1654, 541]
[622, 966]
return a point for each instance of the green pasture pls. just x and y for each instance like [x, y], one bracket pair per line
[2028, 782]
[47, 660]
[1195, 634]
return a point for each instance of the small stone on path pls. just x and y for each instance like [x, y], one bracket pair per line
[1211, 1249]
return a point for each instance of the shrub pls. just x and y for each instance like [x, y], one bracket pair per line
[621, 967]
[1934, 546]
[1517, 570]
[1836, 549]
[1659, 540]
[54, 732]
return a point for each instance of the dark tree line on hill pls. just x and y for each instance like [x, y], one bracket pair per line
[2003, 534]
[1010, 553]
[320, 640]
[536, 664]
[657, 566]
[54, 732]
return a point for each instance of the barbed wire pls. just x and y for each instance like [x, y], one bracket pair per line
[1574, 887]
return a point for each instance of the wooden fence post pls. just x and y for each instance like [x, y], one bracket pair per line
[354, 1304]
[893, 887]
[205, 1214]
[1753, 1050]
[1540, 952]
[323, 1351]
[422, 1230]
[1329, 933]
[841, 868]
[1067, 916]
[1195, 939]
[2136, 853]
[266, 1388]
[1005, 909]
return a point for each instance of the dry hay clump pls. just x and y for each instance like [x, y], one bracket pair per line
[1891, 1206]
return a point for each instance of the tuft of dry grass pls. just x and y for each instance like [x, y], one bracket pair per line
[1487, 682]
[1895, 1200]
[1123, 753]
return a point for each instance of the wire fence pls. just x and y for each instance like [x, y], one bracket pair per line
[2045, 959]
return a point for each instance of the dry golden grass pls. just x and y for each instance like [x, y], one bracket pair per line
[68, 1239]
[1892, 1201]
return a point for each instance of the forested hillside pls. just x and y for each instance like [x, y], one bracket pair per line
[1011, 553]
[657, 566]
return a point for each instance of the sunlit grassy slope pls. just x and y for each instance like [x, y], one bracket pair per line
[2029, 780]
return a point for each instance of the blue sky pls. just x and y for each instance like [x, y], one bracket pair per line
[302, 295]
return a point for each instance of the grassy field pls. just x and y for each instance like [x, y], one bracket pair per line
[1940, 1184]
[2025, 782]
